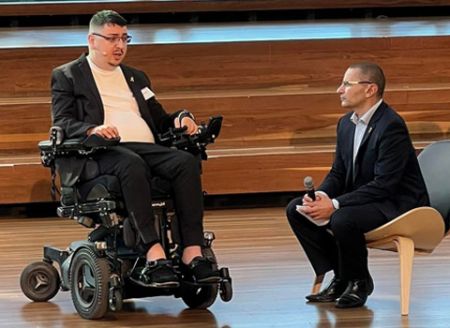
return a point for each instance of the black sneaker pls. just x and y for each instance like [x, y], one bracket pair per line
[201, 270]
[156, 274]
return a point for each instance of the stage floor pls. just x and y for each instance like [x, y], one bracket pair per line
[271, 276]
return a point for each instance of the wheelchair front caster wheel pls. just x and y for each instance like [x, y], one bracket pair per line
[40, 281]
[226, 289]
[115, 299]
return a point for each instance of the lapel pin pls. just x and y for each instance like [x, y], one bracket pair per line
[132, 79]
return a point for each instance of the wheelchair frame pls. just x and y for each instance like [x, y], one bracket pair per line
[97, 270]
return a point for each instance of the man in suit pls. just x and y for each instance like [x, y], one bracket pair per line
[375, 177]
[98, 94]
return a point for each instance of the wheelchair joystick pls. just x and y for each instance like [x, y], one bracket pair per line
[209, 237]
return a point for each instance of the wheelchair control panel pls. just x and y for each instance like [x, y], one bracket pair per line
[197, 142]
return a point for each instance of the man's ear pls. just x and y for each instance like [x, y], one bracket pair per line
[91, 41]
[372, 90]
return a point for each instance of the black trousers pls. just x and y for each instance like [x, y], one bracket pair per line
[135, 163]
[344, 249]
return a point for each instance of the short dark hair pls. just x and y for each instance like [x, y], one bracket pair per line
[106, 17]
[374, 73]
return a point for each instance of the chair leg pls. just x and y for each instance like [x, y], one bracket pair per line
[405, 248]
[317, 284]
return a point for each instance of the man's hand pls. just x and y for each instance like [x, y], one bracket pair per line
[320, 209]
[106, 131]
[192, 127]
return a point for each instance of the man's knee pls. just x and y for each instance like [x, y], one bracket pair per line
[342, 221]
[188, 162]
[291, 210]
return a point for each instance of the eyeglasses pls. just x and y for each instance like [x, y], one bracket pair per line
[350, 83]
[115, 39]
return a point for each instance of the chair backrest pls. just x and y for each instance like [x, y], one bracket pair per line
[434, 163]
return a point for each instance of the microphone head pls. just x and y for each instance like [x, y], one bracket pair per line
[308, 183]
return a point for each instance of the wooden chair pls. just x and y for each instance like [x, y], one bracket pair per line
[421, 229]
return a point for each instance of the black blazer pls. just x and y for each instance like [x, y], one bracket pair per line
[386, 171]
[77, 106]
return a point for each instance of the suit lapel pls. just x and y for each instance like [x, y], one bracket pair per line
[370, 128]
[372, 124]
[86, 74]
[129, 77]
[137, 92]
[348, 131]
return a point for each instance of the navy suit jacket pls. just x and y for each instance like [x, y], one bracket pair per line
[386, 171]
[77, 105]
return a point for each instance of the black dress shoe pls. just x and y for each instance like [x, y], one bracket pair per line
[329, 294]
[356, 293]
[201, 270]
[156, 274]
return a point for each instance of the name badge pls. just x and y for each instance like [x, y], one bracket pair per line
[147, 93]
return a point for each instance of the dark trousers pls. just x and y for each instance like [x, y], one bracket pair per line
[344, 249]
[135, 163]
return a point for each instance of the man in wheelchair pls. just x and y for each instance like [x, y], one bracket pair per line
[118, 134]
[96, 94]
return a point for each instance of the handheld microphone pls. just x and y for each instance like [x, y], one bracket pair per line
[309, 186]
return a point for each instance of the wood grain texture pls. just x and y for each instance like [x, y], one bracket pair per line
[24, 183]
[271, 276]
[279, 65]
[277, 96]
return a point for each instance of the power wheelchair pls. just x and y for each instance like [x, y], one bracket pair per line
[97, 270]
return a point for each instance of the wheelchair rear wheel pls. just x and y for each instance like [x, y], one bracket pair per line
[40, 281]
[201, 296]
[89, 278]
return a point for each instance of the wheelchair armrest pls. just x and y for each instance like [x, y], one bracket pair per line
[81, 145]
[57, 146]
[65, 145]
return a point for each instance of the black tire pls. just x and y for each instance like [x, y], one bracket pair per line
[89, 280]
[201, 296]
[226, 291]
[40, 281]
[115, 300]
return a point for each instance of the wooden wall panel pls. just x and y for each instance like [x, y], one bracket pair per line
[240, 174]
[24, 183]
[260, 149]
[256, 121]
[277, 97]
[245, 66]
